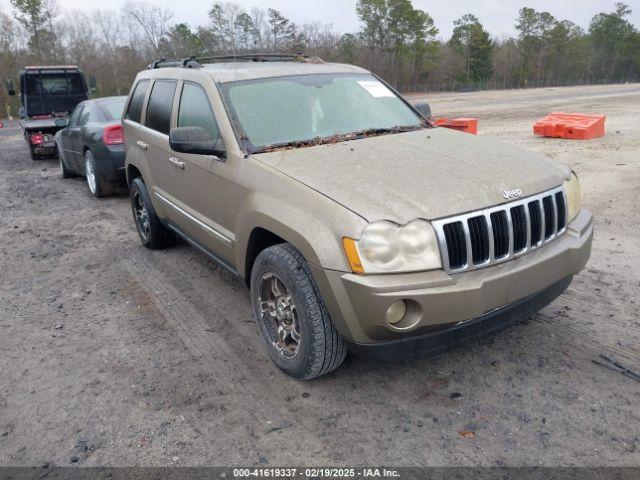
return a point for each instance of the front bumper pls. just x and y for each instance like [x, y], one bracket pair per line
[420, 346]
[438, 301]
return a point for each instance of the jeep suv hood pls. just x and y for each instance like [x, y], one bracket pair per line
[430, 173]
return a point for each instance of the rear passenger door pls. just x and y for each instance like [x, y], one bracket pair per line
[154, 140]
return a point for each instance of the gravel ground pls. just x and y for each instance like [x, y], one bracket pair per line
[111, 354]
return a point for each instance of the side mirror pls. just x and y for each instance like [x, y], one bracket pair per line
[61, 122]
[194, 140]
[10, 88]
[93, 84]
[423, 109]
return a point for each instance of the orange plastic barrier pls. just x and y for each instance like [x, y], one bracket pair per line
[576, 126]
[469, 125]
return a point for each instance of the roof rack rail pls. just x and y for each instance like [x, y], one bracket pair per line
[190, 62]
[196, 62]
[258, 57]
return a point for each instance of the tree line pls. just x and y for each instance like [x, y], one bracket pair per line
[395, 40]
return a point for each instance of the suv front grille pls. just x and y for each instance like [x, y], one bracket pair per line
[497, 234]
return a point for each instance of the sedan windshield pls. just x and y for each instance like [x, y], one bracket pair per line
[297, 111]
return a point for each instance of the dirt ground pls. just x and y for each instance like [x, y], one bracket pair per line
[111, 354]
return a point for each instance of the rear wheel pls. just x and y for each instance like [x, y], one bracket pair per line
[97, 185]
[32, 151]
[291, 315]
[153, 234]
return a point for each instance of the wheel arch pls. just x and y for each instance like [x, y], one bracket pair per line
[264, 234]
[132, 173]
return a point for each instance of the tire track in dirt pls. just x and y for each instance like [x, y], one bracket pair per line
[242, 377]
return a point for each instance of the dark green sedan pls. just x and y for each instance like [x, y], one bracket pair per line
[92, 145]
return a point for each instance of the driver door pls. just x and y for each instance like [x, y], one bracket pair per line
[203, 180]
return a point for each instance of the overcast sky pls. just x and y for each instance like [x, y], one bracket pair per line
[498, 16]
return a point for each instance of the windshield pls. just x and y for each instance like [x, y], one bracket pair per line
[113, 108]
[54, 84]
[296, 111]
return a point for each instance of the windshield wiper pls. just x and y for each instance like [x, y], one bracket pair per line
[343, 137]
[293, 144]
[369, 132]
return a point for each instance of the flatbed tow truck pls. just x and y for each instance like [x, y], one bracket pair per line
[48, 94]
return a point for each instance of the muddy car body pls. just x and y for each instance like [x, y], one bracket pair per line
[356, 223]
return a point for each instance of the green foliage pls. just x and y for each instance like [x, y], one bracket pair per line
[348, 48]
[181, 42]
[615, 43]
[33, 15]
[402, 33]
[473, 43]
[282, 30]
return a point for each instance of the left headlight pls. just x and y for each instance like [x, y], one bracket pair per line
[574, 198]
[385, 247]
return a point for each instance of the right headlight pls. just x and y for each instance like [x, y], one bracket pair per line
[385, 247]
[574, 198]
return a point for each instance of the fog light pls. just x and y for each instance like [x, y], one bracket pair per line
[396, 312]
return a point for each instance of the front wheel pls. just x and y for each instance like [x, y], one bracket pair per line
[64, 171]
[291, 315]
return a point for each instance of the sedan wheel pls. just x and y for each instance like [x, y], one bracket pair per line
[90, 173]
[97, 184]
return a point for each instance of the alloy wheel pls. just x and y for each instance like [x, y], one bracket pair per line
[278, 311]
[91, 175]
[141, 215]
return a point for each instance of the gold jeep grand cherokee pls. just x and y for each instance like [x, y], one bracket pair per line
[355, 223]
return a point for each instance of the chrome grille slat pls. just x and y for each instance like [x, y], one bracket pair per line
[509, 232]
[543, 220]
[555, 215]
[464, 248]
[467, 238]
[527, 216]
[492, 253]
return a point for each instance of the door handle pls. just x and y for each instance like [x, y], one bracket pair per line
[175, 162]
[142, 145]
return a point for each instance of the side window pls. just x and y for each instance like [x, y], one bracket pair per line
[195, 111]
[134, 111]
[85, 116]
[160, 103]
[75, 116]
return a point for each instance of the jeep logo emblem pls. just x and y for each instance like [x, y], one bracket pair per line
[510, 194]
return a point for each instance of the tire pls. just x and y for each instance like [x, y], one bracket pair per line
[64, 171]
[153, 234]
[32, 152]
[320, 348]
[98, 186]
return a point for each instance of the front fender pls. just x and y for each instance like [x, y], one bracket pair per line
[310, 222]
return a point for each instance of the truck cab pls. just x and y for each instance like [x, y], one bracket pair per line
[48, 94]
